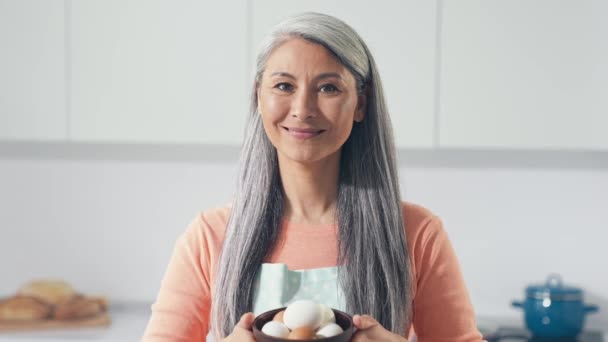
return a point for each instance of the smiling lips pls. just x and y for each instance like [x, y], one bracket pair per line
[303, 133]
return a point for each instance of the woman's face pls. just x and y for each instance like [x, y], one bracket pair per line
[308, 101]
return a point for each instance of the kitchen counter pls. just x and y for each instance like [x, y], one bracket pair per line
[490, 324]
[128, 323]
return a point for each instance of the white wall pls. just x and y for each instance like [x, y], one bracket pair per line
[108, 225]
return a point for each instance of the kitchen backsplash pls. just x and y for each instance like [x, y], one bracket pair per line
[108, 227]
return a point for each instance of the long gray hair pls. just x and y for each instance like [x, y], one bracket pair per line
[375, 272]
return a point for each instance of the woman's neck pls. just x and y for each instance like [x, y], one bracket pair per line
[311, 189]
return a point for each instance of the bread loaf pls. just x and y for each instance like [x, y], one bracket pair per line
[77, 307]
[48, 291]
[21, 308]
[50, 299]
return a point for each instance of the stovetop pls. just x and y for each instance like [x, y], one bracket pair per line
[512, 334]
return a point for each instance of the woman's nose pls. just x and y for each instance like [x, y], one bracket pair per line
[304, 105]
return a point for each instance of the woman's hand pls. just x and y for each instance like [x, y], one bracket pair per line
[242, 330]
[368, 329]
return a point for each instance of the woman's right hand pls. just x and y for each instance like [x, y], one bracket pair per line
[242, 330]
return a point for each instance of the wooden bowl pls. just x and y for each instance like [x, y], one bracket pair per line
[344, 320]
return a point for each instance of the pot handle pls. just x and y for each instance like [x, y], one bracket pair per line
[517, 304]
[591, 308]
[554, 280]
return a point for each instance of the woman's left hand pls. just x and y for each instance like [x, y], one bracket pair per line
[368, 329]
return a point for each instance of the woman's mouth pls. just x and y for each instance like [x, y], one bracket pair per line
[303, 133]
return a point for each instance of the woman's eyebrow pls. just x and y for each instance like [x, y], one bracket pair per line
[282, 74]
[329, 75]
[320, 76]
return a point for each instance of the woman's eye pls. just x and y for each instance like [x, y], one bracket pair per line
[328, 88]
[284, 86]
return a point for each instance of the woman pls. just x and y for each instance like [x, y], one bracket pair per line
[317, 213]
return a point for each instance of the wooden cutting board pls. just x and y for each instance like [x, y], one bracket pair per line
[101, 320]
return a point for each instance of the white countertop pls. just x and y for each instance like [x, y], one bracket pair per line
[128, 323]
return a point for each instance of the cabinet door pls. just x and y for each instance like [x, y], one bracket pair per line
[524, 74]
[401, 37]
[32, 70]
[159, 71]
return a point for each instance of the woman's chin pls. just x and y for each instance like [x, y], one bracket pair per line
[306, 157]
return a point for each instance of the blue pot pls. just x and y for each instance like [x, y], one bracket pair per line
[554, 310]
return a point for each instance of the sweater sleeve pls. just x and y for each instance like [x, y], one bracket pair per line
[181, 310]
[442, 310]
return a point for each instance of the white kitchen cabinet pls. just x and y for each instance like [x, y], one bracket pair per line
[400, 35]
[524, 74]
[159, 71]
[32, 70]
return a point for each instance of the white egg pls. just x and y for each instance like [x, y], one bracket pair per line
[327, 315]
[302, 313]
[329, 330]
[276, 329]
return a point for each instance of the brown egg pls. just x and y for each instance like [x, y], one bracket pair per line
[302, 333]
[279, 316]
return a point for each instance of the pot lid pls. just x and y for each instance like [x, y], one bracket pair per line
[554, 289]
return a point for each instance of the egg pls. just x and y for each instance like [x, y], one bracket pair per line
[302, 313]
[279, 316]
[327, 315]
[275, 329]
[302, 333]
[329, 330]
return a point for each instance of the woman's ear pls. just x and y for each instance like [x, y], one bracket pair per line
[361, 106]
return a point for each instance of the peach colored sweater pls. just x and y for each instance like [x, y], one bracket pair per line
[442, 310]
